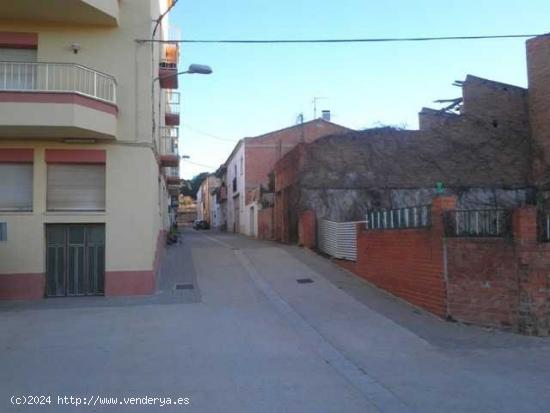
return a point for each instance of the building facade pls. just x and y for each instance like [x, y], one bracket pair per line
[250, 164]
[88, 147]
[206, 199]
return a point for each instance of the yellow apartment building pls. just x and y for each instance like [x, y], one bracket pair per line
[89, 163]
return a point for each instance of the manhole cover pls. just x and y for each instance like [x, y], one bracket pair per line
[185, 287]
[304, 280]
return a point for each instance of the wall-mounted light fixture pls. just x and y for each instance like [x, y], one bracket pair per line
[75, 47]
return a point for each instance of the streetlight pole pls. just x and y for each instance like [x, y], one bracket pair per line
[193, 69]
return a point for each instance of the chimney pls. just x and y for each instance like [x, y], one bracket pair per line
[538, 69]
[325, 115]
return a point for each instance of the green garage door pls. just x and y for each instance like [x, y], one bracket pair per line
[75, 260]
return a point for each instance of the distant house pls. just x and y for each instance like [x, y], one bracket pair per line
[251, 162]
[481, 152]
[206, 210]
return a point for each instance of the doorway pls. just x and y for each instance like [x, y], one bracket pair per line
[237, 215]
[75, 260]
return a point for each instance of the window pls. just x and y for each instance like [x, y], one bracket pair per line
[3, 231]
[16, 186]
[17, 71]
[241, 165]
[235, 169]
[76, 187]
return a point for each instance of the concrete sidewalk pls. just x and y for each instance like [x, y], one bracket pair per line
[249, 338]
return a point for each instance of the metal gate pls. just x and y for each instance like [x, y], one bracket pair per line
[338, 239]
[75, 260]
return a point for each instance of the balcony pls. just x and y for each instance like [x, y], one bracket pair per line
[172, 109]
[169, 66]
[173, 180]
[168, 147]
[172, 176]
[92, 12]
[56, 100]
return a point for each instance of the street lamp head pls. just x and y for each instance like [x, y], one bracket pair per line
[199, 69]
[185, 157]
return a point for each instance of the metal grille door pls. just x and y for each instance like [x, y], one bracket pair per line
[75, 260]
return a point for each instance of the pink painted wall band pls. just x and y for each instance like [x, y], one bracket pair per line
[48, 97]
[16, 155]
[92, 156]
[19, 40]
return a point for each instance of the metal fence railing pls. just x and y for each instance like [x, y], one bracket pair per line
[168, 141]
[173, 171]
[478, 223]
[58, 78]
[172, 102]
[544, 226]
[337, 239]
[401, 218]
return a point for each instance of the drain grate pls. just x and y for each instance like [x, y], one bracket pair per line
[185, 287]
[304, 280]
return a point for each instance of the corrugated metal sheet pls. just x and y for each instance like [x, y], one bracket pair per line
[338, 239]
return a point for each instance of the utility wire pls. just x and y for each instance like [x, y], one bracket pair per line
[200, 164]
[233, 141]
[360, 40]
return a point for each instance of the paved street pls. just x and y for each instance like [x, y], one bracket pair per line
[242, 335]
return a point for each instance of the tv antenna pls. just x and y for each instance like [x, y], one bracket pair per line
[315, 99]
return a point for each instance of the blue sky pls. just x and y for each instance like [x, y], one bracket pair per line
[259, 88]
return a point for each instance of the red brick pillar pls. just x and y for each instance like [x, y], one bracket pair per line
[361, 261]
[307, 231]
[533, 274]
[441, 204]
[525, 225]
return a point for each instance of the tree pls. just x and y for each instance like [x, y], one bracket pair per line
[190, 187]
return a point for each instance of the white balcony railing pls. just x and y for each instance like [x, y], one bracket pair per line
[57, 78]
[168, 141]
[173, 172]
[172, 102]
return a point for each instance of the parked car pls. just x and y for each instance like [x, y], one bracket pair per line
[201, 224]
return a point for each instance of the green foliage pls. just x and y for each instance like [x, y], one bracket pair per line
[190, 187]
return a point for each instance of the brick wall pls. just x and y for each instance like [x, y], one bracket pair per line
[485, 281]
[482, 281]
[503, 283]
[262, 152]
[287, 168]
[307, 230]
[409, 262]
[533, 274]
[500, 104]
[538, 69]
[265, 224]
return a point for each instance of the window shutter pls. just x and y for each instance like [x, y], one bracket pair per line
[17, 55]
[17, 76]
[16, 186]
[76, 187]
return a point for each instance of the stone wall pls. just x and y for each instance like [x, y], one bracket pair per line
[352, 204]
